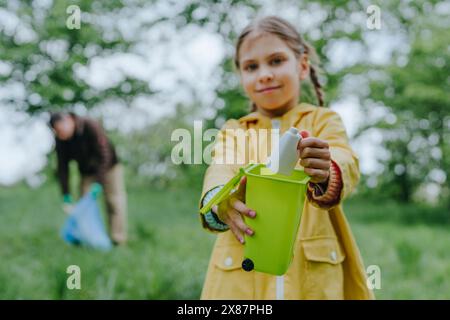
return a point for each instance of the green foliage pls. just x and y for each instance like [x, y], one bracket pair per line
[147, 153]
[53, 78]
[417, 95]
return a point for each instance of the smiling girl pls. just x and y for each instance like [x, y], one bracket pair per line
[272, 60]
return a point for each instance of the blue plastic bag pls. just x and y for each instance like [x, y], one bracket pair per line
[85, 226]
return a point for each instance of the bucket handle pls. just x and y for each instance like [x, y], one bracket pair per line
[225, 191]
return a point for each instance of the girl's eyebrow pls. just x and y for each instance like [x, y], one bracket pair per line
[279, 53]
[248, 61]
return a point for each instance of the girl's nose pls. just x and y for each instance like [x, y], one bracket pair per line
[265, 76]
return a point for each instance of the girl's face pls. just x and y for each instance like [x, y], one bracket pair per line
[271, 73]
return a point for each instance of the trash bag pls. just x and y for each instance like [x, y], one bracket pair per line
[85, 227]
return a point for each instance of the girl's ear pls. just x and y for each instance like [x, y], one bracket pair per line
[303, 65]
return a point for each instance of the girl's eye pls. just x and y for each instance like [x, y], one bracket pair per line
[276, 61]
[251, 67]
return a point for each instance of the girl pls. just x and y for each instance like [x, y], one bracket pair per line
[272, 60]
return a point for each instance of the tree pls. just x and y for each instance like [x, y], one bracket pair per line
[416, 92]
[45, 51]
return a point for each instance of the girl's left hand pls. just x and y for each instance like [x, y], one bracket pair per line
[315, 157]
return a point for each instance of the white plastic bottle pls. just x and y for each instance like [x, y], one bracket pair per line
[284, 156]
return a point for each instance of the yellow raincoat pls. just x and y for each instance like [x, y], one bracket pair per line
[327, 263]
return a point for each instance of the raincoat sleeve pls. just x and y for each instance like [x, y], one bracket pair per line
[328, 126]
[225, 161]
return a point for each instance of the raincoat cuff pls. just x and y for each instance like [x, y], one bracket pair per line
[210, 220]
[329, 194]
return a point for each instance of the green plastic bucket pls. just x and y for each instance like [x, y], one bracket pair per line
[278, 201]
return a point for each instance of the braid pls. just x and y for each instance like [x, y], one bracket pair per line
[317, 85]
[312, 55]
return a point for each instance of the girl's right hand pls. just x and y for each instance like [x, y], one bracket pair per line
[231, 210]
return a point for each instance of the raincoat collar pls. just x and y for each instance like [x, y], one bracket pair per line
[295, 113]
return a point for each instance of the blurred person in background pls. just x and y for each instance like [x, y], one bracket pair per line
[84, 140]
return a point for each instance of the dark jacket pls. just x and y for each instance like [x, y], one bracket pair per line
[90, 148]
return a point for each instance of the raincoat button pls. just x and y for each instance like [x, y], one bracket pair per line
[333, 255]
[228, 261]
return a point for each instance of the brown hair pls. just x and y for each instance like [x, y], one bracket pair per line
[286, 32]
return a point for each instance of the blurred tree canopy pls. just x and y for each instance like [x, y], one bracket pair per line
[45, 55]
[416, 130]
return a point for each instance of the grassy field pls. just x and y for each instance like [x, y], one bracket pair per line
[168, 252]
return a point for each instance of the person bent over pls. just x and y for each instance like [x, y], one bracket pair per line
[84, 140]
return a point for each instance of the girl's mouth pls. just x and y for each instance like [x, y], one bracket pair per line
[269, 89]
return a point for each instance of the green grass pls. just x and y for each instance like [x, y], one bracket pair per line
[410, 244]
[168, 252]
[166, 257]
